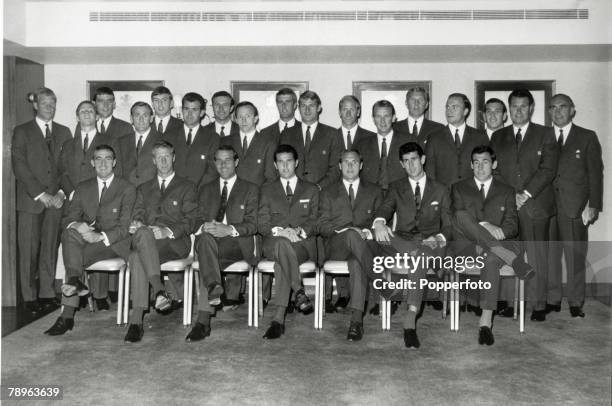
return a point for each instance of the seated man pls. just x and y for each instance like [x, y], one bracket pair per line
[229, 216]
[96, 228]
[423, 225]
[346, 212]
[164, 217]
[287, 220]
[486, 219]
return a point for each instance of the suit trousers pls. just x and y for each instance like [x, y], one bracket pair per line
[37, 243]
[534, 234]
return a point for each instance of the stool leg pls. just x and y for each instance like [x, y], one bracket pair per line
[445, 299]
[255, 298]
[120, 295]
[522, 306]
[126, 295]
[516, 295]
[250, 293]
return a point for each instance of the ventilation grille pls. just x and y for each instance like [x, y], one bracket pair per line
[357, 15]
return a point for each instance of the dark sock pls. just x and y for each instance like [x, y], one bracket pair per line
[279, 316]
[204, 318]
[356, 316]
[137, 315]
[155, 282]
[68, 312]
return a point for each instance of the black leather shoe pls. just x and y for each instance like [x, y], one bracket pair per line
[32, 306]
[485, 336]
[355, 332]
[102, 304]
[74, 286]
[474, 309]
[576, 311]
[215, 290]
[522, 269]
[436, 304]
[274, 331]
[506, 312]
[375, 310]
[538, 315]
[303, 303]
[341, 303]
[134, 334]
[198, 332]
[552, 308]
[60, 327]
[162, 301]
[329, 307]
[410, 338]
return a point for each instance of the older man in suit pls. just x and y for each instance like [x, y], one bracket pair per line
[527, 156]
[350, 133]
[316, 143]
[36, 148]
[163, 103]
[104, 98]
[95, 228]
[223, 106]
[579, 198]
[287, 220]
[416, 125]
[286, 103]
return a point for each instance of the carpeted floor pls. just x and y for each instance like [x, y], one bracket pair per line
[561, 361]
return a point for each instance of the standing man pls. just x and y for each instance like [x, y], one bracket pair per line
[95, 228]
[316, 143]
[104, 98]
[495, 115]
[223, 107]
[286, 103]
[579, 197]
[36, 147]
[416, 125]
[527, 156]
[163, 103]
[350, 133]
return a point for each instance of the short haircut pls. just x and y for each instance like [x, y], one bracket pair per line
[247, 104]
[287, 91]
[417, 89]
[350, 151]
[466, 102]
[566, 97]
[161, 90]
[349, 97]
[383, 104]
[85, 102]
[228, 148]
[521, 93]
[310, 95]
[410, 147]
[34, 96]
[223, 93]
[481, 149]
[102, 91]
[162, 144]
[192, 97]
[285, 149]
[105, 147]
[141, 104]
[496, 100]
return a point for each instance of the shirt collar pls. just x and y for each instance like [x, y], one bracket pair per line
[168, 179]
[144, 135]
[227, 127]
[230, 182]
[388, 136]
[487, 183]
[523, 128]
[108, 181]
[422, 181]
[411, 122]
[194, 130]
[355, 184]
[290, 123]
[565, 129]
[353, 130]
[42, 124]
[292, 181]
[249, 136]
[163, 120]
[313, 128]
[461, 129]
[106, 121]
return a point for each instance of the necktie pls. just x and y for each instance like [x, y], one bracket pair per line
[351, 195]
[383, 178]
[308, 139]
[48, 138]
[482, 191]
[103, 191]
[560, 140]
[457, 139]
[160, 127]
[162, 188]
[189, 137]
[289, 191]
[417, 196]
[383, 152]
[245, 145]
[86, 143]
[139, 146]
[222, 133]
[349, 144]
[519, 138]
[415, 130]
[286, 126]
[221, 212]
[102, 128]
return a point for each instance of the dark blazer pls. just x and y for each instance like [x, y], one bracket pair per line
[137, 169]
[112, 215]
[531, 168]
[433, 217]
[173, 125]
[427, 128]
[360, 134]
[36, 167]
[257, 165]
[320, 164]
[117, 128]
[499, 207]
[273, 130]
[196, 162]
[368, 148]
[447, 165]
[240, 211]
[302, 211]
[580, 173]
[209, 129]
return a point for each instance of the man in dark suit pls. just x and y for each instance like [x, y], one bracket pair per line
[416, 125]
[223, 107]
[495, 115]
[379, 153]
[255, 149]
[107, 124]
[287, 219]
[164, 217]
[227, 224]
[316, 143]
[423, 226]
[350, 133]
[527, 157]
[286, 103]
[95, 228]
[486, 220]
[194, 148]
[163, 103]
[579, 197]
[36, 147]
[449, 148]
[347, 210]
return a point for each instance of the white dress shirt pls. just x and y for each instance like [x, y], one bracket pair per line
[313, 128]
[227, 127]
[249, 137]
[566, 131]
[353, 132]
[389, 138]
[164, 121]
[461, 129]
[194, 131]
[106, 122]
[41, 124]
[289, 124]
[487, 185]
[144, 135]
[419, 123]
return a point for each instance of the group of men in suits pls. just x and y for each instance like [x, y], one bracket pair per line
[138, 191]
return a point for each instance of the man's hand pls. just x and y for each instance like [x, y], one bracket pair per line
[58, 200]
[134, 225]
[521, 199]
[82, 228]
[290, 233]
[495, 231]
[361, 233]
[92, 237]
[160, 232]
[589, 215]
[47, 199]
[217, 229]
[382, 232]
[431, 242]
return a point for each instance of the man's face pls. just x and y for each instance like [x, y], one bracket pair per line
[413, 164]
[309, 110]
[45, 107]
[222, 107]
[87, 116]
[520, 111]
[417, 104]
[163, 159]
[349, 113]
[105, 104]
[483, 165]
[286, 164]
[226, 164]
[246, 118]
[495, 116]
[561, 111]
[350, 165]
[383, 119]
[192, 113]
[286, 105]
[455, 111]
[141, 119]
[103, 162]
[162, 104]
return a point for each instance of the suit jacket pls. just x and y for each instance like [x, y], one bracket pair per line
[320, 164]
[117, 128]
[360, 134]
[427, 128]
[445, 163]
[173, 125]
[273, 130]
[432, 218]
[498, 208]
[209, 129]
[195, 162]
[137, 168]
[36, 166]
[257, 165]
[240, 211]
[276, 211]
[112, 215]
[531, 167]
[580, 173]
